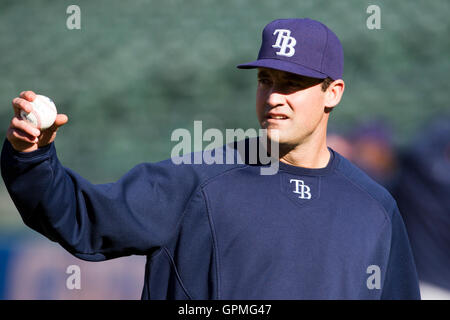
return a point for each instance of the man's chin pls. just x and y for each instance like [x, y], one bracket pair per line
[276, 139]
[277, 136]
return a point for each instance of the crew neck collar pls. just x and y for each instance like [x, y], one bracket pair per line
[311, 171]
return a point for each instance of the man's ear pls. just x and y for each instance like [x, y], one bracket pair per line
[334, 93]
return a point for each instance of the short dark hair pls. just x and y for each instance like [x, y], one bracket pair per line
[326, 83]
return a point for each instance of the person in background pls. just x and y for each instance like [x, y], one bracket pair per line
[423, 197]
[340, 143]
[373, 151]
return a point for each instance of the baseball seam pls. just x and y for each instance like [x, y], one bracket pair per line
[38, 119]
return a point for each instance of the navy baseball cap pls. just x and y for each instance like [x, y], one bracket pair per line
[301, 46]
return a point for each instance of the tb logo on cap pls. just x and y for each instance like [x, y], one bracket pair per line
[284, 41]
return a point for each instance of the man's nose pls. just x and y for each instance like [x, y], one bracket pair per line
[275, 98]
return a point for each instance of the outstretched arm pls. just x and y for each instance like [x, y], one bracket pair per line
[134, 215]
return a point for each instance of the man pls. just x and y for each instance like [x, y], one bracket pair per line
[317, 229]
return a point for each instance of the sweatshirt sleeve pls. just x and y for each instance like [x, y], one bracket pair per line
[401, 281]
[139, 212]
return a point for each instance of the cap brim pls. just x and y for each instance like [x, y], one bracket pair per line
[283, 66]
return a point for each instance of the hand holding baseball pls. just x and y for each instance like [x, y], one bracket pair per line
[27, 134]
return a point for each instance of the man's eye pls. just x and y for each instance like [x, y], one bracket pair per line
[264, 81]
[294, 84]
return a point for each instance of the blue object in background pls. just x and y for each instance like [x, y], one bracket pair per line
[423, 197]
[32, 267]
[4, 257]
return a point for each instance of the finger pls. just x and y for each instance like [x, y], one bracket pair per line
[28, 95]
[21, 104]
[19, 135]
[61, 119]
[25, 126]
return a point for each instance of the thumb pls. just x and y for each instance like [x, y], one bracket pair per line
[61, 119]
[48, 135]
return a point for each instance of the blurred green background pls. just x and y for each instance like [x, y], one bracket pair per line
[138, 70]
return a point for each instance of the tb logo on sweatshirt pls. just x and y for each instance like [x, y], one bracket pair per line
[301, 188]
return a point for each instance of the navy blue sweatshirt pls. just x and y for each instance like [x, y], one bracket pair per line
[224, 231]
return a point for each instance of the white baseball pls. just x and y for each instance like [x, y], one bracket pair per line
[43, 114]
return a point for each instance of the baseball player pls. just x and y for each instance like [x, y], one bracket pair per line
[317, 229]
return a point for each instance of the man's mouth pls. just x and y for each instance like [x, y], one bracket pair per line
[276, 116]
